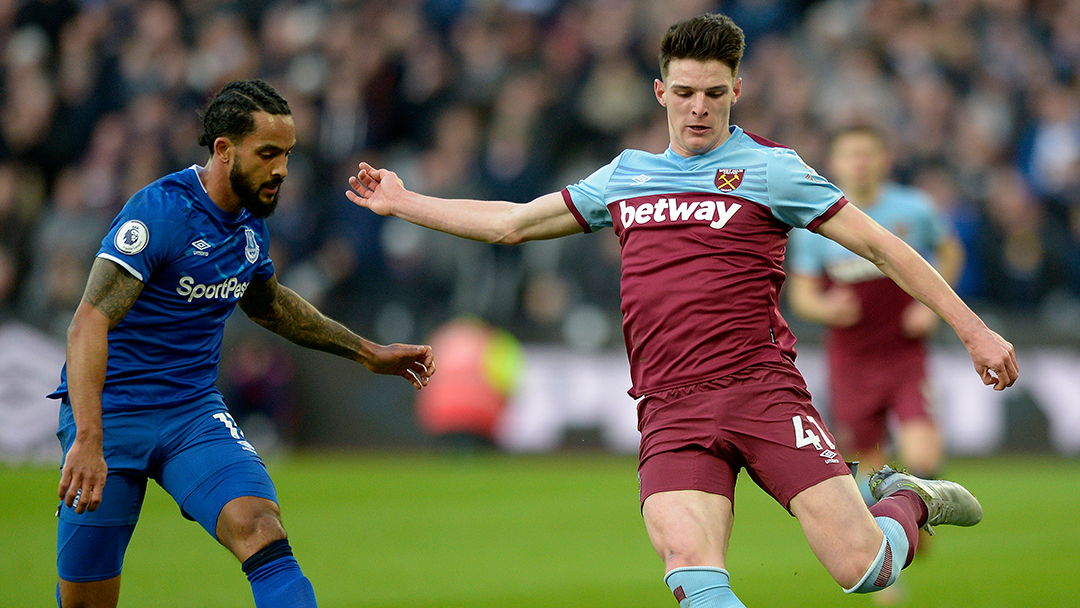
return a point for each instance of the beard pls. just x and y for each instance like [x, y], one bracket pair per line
[248, 193]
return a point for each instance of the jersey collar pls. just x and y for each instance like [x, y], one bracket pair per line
[723, 148]
[209, 205]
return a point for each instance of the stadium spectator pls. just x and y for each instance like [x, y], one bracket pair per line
[1020, 246]
[966, 85]
[702, 229]
[66, 240]
[21, 199]
[138, 390]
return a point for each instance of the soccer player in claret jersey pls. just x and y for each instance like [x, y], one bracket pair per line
[138, 394]
[875, 341]
[702, 229]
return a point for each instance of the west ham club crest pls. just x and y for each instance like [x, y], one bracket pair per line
[729, 179]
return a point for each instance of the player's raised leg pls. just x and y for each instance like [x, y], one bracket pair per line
[690, 531]
[251, 528]
[845, 536]
[945, 502]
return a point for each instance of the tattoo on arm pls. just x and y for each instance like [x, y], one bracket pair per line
[111, 289]
[284, 312]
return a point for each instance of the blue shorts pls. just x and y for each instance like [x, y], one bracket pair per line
[195, 452]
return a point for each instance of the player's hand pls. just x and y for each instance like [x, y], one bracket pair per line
[917, 321]
[994, 359]
[82, 478]
[375, 189]
[414, 363]
[841, 306]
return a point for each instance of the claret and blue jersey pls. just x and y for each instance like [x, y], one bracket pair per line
[906, 212]
[195, 262]
[703, 242]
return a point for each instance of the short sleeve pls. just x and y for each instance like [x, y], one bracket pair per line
[797, 193]
[141, 235]
[588, 197]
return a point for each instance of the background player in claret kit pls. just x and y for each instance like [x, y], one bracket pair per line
[875, 342]
[702, 229]
[138, 391]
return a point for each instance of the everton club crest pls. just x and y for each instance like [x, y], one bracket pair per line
[251, 251]
[729, 179]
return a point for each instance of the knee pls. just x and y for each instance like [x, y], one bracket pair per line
[246, 525]
[860, 559]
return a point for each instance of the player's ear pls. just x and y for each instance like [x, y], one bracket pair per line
[658, 88]
[223, 150]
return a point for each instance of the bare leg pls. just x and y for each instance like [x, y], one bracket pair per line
[690, 531]
[919, 447]
[249, 523]
[689, 528]
[94, 594]
[839, 528]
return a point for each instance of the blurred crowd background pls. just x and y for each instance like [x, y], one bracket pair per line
[511, 99]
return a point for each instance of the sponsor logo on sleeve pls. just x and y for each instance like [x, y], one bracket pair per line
[132, 237]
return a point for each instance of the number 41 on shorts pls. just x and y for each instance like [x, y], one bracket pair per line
[805, 436]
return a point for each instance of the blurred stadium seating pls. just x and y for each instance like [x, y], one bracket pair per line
[512, 99]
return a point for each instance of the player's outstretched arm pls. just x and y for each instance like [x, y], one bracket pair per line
[285, 313]
[110, 293]
[502, 222]
[993, 356]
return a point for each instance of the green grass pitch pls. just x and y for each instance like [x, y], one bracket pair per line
[404, 531]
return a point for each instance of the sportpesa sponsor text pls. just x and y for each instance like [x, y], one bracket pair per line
[230, 288]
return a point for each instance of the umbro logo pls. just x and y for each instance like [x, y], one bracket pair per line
[829, 454]
[200, 247]
[641, 179]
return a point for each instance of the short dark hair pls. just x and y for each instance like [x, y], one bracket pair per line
[711, 36]
[860, 128]
[229, 113]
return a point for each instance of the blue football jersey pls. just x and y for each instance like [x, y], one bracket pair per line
[195, 262]
[702, 247]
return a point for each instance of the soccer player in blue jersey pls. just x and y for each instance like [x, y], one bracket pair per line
[702, 229]
[138, 394]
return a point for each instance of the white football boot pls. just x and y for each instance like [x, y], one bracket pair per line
[947, 502]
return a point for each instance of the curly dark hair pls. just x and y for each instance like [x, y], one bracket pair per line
[711, 36]
[229, 113]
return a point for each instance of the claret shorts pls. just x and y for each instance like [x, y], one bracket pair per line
[760, 418]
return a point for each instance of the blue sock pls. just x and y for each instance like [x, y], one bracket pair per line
[276, 579]
[863, 481]
[886, 567]
[702, 587]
